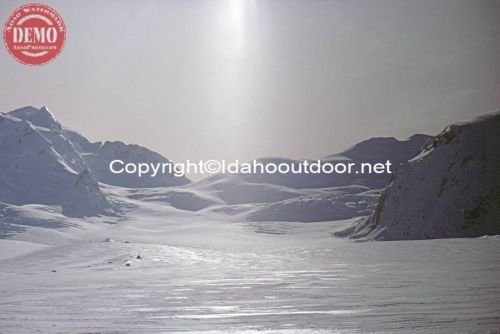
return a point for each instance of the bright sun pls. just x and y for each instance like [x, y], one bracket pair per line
[233, 20]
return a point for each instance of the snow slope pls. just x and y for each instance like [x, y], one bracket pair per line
[373, 150]
[32, 171]
[97, 157]
[451, 189]
[328, 204]
[80, 154]
[309, 197]
[339, 196]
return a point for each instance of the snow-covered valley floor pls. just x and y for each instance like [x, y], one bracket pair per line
[203, 273]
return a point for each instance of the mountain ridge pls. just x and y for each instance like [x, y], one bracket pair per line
[450, 189]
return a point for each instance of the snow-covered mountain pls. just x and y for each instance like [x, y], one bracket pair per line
[258, 197]
[33, 171]
[80, 154]
[313, 197]
[373, 150]
[451, 189]
[97, 157]
[41, 162]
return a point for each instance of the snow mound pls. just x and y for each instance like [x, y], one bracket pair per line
[332, 204]
[233, 189]
[182, 199]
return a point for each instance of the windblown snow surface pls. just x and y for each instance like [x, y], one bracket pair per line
[200, 272]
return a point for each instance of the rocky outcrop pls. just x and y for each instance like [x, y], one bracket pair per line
[451, 189]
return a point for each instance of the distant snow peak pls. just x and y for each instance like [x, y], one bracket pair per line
[41, 117]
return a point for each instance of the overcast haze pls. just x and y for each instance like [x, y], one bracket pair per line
[243, 79]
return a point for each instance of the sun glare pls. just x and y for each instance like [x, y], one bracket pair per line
[233, 23]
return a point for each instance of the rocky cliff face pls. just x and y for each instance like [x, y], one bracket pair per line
[451, 189]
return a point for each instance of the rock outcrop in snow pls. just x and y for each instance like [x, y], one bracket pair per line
[451, 189]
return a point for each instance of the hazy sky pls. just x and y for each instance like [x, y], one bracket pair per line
[242, 79]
